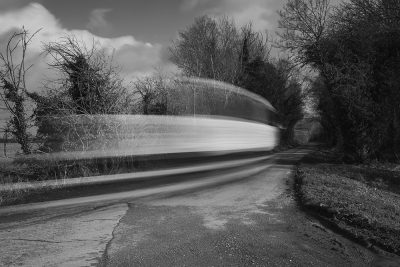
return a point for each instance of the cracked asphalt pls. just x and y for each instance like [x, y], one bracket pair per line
[72, 237]
[253, 221]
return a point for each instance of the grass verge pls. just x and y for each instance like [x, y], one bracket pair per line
[362, 201]
[14, 172]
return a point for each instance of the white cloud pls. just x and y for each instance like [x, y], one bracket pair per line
[133, 56]
[258, 16]
[33, 17]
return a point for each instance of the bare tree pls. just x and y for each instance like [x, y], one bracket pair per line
[303, 24]
[13, 84]
[355, 48]
[89, 79]
[197, 49]
[153, 94]
[88, 85]
[213, 48]
[218, 49]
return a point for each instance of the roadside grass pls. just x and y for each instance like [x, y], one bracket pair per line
[19, 178]
[362, 201]
[12, 175]
[16, 194]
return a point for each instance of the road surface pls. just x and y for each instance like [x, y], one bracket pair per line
[251, 221]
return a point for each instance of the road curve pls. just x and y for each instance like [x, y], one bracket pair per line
[125, 186]
[254, 221]
[251, 221]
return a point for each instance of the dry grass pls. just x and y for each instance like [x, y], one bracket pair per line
[14, 173]
[362, 200]
[15, 194]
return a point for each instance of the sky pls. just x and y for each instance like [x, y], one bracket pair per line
[137, 32]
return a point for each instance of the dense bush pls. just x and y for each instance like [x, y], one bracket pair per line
[355, 49]
[89, 85]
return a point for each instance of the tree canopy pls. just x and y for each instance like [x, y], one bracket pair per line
[218, 49]
[355, 49]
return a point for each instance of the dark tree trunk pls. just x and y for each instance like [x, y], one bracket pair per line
[287, 135]
[339, 142]
[396, 132]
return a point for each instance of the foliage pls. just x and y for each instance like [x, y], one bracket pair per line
[153, 93]
[359, 200]
[89, 85]
[14, 90]
[212, 48]
[325, 108]
[273, 82]
[217, 49]
[355, 49]
[89, 80]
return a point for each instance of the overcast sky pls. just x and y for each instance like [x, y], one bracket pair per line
[154, 21]
[138, 31]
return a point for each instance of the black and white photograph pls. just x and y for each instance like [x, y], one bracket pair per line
[200, 133]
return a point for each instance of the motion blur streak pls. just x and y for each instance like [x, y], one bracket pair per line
[208, 132]
[197, 115]
[152, 134]
[133, 177]
[190, 185]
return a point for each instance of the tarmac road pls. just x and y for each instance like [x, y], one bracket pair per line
[252, 221]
